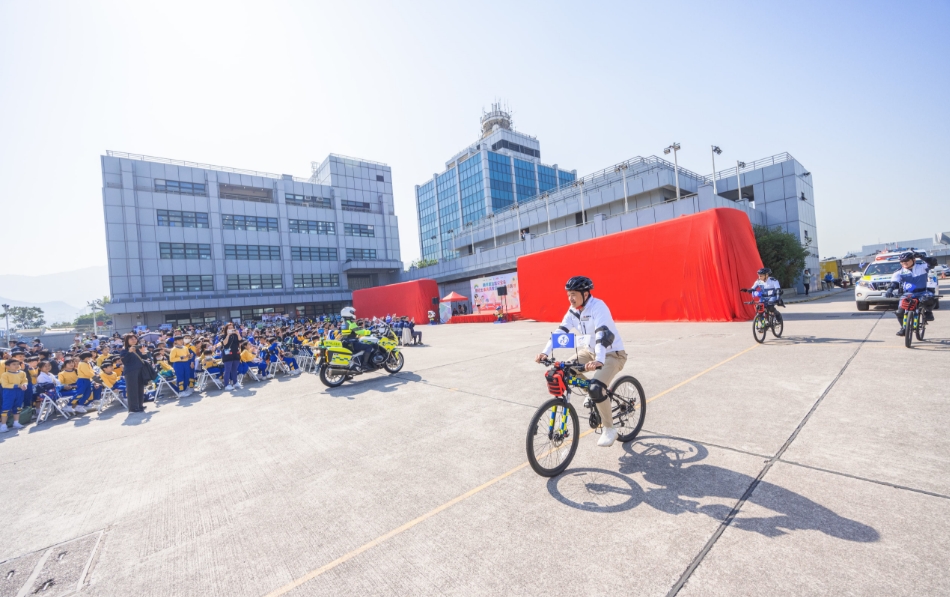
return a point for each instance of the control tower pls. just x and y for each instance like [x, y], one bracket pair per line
[499, 118]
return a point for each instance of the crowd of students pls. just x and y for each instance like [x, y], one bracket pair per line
[137, 366]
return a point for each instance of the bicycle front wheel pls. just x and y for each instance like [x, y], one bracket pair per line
[909, 328]
[629, 406]
[921, 326]
[552, 437]
[760, 328]
[778, 324]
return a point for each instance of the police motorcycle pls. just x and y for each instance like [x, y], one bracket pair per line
[376, 349]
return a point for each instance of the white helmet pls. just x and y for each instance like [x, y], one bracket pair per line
[348, 313]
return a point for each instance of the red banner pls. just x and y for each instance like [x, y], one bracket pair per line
[686, 269]
[413, 299]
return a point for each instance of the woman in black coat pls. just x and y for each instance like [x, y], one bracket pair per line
[135, 373]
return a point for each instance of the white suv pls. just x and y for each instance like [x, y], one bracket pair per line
[873, 285]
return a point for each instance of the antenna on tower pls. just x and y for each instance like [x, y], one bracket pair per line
[498, 118]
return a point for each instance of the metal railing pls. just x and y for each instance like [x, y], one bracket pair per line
[749, 166]
[149, 158]
[156, 296]
[239, 197]
[324, 204]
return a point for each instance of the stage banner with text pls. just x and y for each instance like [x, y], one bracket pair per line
[485, 297]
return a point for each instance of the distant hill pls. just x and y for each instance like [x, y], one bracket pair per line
[76, 287]
[54, 311]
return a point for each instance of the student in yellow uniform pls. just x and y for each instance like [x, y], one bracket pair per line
[13, 382]
[180, 358]
[86, 389]
[104, 355]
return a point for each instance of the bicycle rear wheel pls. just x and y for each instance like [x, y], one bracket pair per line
[759, 328]
[921, 327]
[629, 406]
[778, 324]
[552, 437]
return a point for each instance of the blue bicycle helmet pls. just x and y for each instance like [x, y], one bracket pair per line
[907, 256]
[765, 271]
[580, 284]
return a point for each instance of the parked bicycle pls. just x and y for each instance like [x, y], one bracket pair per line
[554, 430]
[766, 316]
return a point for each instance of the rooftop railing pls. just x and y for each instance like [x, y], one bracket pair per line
[749, 166]
[149, 158]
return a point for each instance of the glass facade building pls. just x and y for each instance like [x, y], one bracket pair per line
[500, 170]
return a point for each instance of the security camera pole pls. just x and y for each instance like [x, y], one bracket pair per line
[6, 311]
[739, 178]
[676, 165]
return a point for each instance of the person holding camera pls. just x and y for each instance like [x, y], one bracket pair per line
[230, 355]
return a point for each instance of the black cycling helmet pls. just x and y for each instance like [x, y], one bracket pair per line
[580, 284]
[907, 256]
[766, 271]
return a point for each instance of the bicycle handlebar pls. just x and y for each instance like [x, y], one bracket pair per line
[573, 364]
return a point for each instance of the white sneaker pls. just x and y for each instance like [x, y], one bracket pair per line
[16, 425]
[80, 409]
[608, 437]
[68, 410]
[239, 386]
[3, 428]
[271, 376]
[186, 393]
[229, 387]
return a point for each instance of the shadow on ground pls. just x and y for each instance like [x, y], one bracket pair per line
[675, 484]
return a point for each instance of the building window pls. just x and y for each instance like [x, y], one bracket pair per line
[354, 206]
[313, 253]
[449, 214]
[524, 180]
[505, 144]
[379, 178]
[187, 283]
[312, 227]
[242, 193]
[252, 252]
[308, 201]
[250, 223]
[182, 188]
[361, 254]
[472, 189]
[181, 219]
[547, 178]
[254, 282]
[428, 220]
[354, 282]
[564, 178]
[184, 251]
[316, 280]
[499, 176]
[177, 319]
[359, 230]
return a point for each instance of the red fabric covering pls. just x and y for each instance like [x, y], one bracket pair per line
[413, 299]
[687, 269]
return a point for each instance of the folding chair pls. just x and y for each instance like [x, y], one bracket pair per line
[108, 396]
[52, 402]
[304, 359]
[163, 382]
[278, 366]
[251, 371]
[204, 376]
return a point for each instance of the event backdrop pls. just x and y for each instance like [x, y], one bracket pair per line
[686, 269]
[413, 299]
[485, 294]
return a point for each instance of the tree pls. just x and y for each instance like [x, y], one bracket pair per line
[419, 263]
[782, 252]
[26, 317]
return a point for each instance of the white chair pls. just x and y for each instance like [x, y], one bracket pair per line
[165, 383]
[108, 396]
[304, 359]
[204, 377]
[52, 402]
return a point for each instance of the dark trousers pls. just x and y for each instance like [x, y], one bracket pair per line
[807, 286]
[134, 393]
[230, 372]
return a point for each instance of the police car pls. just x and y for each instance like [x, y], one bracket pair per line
[873, 285]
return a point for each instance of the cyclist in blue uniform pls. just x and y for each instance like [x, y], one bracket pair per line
[912, 277]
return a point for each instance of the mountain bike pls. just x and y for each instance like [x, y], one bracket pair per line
[554, 430]
[766, 316]
[915, 306]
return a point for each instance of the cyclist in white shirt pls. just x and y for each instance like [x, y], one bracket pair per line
[766, 280]
[600, 347]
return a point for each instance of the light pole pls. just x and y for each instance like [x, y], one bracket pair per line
[622, 168]
[676, 165]
[494, 238]
[95, 305]
[547, 210]
[580, 185]
[715, 151]
[739, 178]
[6, 312]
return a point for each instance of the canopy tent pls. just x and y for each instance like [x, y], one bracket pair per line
[454, 297]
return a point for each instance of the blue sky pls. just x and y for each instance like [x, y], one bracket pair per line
[856, 91]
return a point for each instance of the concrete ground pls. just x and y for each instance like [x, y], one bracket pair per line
[815, 464]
